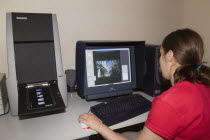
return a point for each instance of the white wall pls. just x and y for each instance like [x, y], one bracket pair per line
[148, 20]
[196, 16]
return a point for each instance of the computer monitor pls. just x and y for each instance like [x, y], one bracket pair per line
[105, 69]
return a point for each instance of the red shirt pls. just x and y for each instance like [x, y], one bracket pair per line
[181, 113]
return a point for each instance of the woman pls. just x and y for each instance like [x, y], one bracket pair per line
[182, 112]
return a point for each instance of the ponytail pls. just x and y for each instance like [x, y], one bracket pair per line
[193, 73]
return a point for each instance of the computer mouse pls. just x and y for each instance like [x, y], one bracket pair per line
[84, 126]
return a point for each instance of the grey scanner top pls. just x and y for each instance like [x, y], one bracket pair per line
[34, 47]
[28, 27]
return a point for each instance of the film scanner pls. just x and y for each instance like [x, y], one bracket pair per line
[36, 82]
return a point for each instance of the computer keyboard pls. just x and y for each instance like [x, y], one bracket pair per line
[121, 108]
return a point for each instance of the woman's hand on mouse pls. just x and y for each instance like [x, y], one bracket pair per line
[91, 120]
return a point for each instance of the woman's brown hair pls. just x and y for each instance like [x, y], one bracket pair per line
[187, 46]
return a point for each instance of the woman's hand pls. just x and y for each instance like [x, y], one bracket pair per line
[94, 123]
[91, 120]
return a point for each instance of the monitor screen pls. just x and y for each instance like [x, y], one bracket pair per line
[108, 66]
[105, 69]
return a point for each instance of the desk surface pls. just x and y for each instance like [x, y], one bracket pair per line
[62, 126]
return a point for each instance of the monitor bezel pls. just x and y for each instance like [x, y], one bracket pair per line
[94, 93]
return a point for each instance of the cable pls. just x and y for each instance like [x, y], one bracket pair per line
[7, 110]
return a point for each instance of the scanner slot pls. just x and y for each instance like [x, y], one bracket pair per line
[39, 95]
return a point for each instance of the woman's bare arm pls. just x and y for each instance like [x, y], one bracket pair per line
[147, 134]
[94, 123]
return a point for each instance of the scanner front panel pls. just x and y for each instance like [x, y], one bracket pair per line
[35, 62]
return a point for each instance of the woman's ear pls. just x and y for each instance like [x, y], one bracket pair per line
[170, 56]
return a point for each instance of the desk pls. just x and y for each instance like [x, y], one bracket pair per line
[62, 126]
